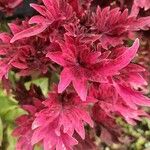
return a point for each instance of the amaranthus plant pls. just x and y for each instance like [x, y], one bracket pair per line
[87, 51]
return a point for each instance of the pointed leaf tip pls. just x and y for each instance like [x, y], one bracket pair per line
[136, 43]
[31, 31]
[65, 80]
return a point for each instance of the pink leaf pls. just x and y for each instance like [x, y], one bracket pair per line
[65, 80]
[131, 97]
[122, 61]
[39, 8]
[57, 57]
[37, 20]
[19, 65]
[81, 88]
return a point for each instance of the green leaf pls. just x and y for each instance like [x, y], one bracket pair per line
[1, 132]
[41, 82]
[9, 109]
[37, 147]
[11, 141]
[11, 115]
[4, 26]
[6, 104]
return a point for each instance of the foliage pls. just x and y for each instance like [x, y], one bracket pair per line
[73, 75]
